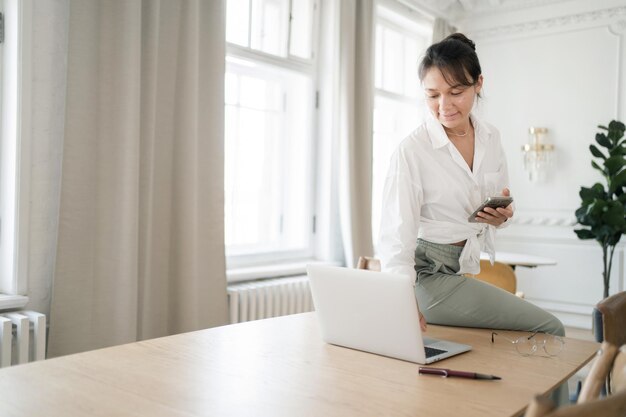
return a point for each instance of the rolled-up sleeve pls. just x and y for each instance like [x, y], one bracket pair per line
[400, 218]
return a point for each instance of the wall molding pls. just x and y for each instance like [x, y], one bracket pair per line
[556, 22]
[618, 28]
[551, 221]
[571, 314]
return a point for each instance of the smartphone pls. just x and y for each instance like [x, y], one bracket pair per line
[493, 202]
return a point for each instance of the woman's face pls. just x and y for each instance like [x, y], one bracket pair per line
[450, 104]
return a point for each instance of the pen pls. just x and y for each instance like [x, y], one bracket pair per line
[449, 372]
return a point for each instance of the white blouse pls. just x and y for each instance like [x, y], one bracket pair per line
[430, 192]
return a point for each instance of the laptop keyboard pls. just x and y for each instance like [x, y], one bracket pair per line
[430, 352]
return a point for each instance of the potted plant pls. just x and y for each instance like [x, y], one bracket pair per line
[603, 208]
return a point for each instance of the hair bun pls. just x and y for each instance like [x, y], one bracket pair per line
[461, 37]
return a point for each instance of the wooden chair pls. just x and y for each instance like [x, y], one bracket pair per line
[613, 313]
[499, 274]
[610, 360]
[618, 373]
[612, 406]
[598, 373]
[365, 262]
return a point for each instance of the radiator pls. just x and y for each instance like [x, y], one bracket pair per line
[22, 337]
[267, 298]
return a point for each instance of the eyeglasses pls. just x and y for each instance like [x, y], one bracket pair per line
[529, 345]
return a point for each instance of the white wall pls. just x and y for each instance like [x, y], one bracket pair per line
[560, 66]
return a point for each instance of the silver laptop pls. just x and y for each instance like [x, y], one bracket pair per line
[374, 312]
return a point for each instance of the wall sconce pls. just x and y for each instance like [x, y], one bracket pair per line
[537, 155]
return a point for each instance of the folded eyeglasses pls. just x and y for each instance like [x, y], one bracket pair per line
[529, 345]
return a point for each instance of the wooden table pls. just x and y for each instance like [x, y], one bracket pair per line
[280, 367]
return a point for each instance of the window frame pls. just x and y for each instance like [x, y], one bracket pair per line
[308, 68]
[16, 142]
[394, 15]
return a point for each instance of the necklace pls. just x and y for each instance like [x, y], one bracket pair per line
[458, 134]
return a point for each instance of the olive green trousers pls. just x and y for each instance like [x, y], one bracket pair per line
[446, 298]
[455, 300]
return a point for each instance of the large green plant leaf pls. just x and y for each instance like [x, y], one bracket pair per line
[584, 234]
[617, 125]
[619, 150]
[598, 167]
[597, 208]
[581, 216]
[591, 214]
[618, 181]
[602, 233]
[596, 152]
[616, 131]
[588, 194]
[614, 215]
[614, 164]
[603, 140]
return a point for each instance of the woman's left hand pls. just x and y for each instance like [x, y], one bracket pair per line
[496, 217]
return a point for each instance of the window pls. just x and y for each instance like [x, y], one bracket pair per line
[269, 123]
[14, 151]
[402, 35]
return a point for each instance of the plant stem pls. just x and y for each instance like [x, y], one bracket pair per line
[605, 272]
[608, 275]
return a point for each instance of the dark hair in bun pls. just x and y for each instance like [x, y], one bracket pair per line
[456, 58]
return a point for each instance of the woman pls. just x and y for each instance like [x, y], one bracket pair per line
[437, 177]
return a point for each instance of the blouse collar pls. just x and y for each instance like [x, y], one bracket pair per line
[438, 136]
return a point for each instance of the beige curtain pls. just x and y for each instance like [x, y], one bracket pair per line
[141, 239]
[356, 103]
[441, 29]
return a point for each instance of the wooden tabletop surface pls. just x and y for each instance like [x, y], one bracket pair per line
[280, 367]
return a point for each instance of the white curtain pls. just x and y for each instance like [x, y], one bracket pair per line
[141, 238]
[441, 29]
[356, 103]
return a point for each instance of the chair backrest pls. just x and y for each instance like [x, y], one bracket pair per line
[598, 373]
[613, 310]
[588, 404]
[499, 274]
[618, 374]
[365, 262]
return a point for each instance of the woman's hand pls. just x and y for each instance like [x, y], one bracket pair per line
[422, 322]
[496, 217]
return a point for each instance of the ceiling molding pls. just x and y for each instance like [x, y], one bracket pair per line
[554, 22]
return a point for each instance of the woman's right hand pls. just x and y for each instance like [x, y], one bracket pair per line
[423, 325]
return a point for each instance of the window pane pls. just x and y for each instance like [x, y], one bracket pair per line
[270, 19]
[237, 21]
[267, 160]
[378, 60]
[411, 54]
[393, 121]
[301, 28]
[393, 61]
[400, 43]
[231, 88]
[260, 94]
